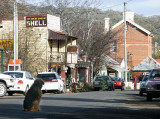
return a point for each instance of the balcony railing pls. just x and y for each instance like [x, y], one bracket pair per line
[59, 57]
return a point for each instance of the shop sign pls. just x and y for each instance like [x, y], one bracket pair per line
[36, 21]
[6, 44]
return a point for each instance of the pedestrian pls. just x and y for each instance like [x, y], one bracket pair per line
[135, 82]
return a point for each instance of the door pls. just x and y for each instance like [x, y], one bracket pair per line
[81, 74]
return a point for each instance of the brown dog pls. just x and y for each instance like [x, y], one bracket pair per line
[33, 96]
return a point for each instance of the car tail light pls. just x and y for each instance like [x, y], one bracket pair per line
[20, 82]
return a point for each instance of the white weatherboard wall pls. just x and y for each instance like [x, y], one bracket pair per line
[53, 22]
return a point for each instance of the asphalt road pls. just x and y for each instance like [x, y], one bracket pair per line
[87, 105]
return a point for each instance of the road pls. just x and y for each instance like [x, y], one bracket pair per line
[87, 105]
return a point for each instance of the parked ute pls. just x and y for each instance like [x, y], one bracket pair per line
[22, 82]
[6, 82]
[153, 85]
[52, 82]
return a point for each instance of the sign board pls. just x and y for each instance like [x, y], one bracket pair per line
[37, 21]
[72, 49]
[6, 44]
[83, 64]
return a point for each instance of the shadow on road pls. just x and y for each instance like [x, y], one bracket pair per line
[54, 112]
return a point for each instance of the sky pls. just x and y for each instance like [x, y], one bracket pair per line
[141, 7]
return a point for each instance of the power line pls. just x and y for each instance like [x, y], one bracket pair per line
[110, 7]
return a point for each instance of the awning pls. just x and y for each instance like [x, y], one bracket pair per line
[57, 35]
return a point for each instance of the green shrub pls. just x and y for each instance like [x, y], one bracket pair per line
[85, 87]
[104, 84]
[128, 88]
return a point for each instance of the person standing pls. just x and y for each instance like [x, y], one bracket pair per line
[135, 82]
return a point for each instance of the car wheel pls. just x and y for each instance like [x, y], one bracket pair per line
[149, 98]
[140, 93]
[27, 88]
[96, 89]
[3, 89]
[123, 88]
[10, 93]
[58, 92]
[113, 88]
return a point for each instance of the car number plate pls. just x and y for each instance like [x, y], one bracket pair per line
[96, 82]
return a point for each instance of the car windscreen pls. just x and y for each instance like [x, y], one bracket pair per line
[14, 74]
[100, 78]
[155, 74]
[47, 76]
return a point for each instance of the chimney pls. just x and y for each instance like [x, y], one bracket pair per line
[106, 28]
[129, 16]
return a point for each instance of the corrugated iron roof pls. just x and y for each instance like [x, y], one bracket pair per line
[147, 64]
[58, 35]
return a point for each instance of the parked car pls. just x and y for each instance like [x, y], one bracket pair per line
[153, 85]
[97, 82]
[22, 82]
[6, 82]
[143, 84]
[119, 83]
[52, 82]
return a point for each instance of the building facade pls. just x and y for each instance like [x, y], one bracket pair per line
[138, 41]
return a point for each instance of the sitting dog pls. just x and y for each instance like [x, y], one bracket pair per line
[33, 96]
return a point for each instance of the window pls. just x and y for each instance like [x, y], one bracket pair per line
[47, 76]
[113, 47]
[28, 75]
[16, 74]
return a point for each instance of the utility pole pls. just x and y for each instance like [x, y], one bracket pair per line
[15, 33]
[125, 49]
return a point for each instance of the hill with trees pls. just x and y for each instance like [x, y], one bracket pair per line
[150, 23]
